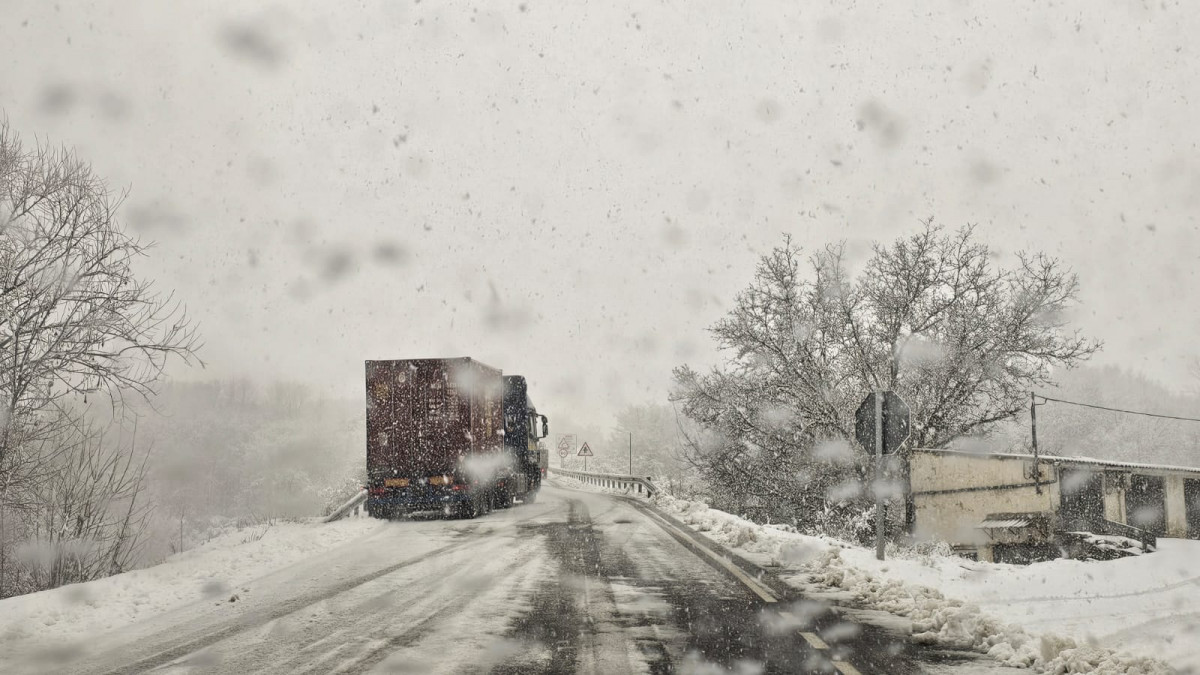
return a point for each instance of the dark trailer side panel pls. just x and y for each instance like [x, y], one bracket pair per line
[424, 416]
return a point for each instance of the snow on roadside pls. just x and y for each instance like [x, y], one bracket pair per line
[905, 587]
[219, 568]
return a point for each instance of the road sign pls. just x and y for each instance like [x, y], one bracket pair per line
[564, 442]
[585, 451]
[895, 422]
[562, 452]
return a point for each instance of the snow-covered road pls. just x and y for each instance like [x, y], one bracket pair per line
[577, 582]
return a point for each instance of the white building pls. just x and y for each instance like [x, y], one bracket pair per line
[998, 507]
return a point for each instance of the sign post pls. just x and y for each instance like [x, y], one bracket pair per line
[880, 507]
[564, 447]
[585, 452]
[881, 427]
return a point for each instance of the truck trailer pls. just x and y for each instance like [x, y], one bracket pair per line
[452, 435]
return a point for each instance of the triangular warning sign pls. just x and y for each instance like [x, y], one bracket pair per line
[585, 451]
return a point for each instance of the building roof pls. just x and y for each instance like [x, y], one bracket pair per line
[1055, 459]
[996, 521]
[992, 522]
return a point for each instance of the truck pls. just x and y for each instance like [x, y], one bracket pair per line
[521, 441]
[452, 435]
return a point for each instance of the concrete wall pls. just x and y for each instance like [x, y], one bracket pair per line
[953, 493]
[947, 510]
[1115, 507]
[1114, 498]
[1176, 506]
[955, 517]
[943, 471]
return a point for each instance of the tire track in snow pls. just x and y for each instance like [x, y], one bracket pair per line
[453, 606]
[1190, 581]
[184, 647]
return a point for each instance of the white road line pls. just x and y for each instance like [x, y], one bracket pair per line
[845, 668]
[759, 589]
[813, 640]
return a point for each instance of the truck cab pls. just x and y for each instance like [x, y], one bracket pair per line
[523, 428]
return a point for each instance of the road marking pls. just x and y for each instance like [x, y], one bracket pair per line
[813, 640]
[759, 589]
[845, 668]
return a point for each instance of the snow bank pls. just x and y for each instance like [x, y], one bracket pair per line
[1015, 614]
[219, 568]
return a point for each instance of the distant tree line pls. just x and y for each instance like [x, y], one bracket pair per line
[238, 451]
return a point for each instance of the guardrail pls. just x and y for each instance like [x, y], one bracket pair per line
[1147, 538]
[611, 480]
[350, 505]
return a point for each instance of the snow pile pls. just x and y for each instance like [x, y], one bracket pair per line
[1015, 629]
[218, 569]
[953, 622]
[1109, 546]
[766, 544]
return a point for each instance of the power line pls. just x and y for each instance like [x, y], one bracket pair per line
[1127, 412]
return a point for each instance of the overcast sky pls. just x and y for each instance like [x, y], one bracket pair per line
[574, 190]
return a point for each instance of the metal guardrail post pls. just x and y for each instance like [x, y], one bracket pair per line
[354, 503]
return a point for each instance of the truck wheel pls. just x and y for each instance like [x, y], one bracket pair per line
[477, 505]
[504, 497]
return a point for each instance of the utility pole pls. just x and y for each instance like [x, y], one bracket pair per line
[1037, 470]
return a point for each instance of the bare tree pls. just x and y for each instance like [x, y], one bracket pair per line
[92, 511]
[931, 317]
[74, 319]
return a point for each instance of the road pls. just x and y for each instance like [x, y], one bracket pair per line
[576, 582]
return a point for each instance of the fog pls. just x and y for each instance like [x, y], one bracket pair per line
[702, 231]
[575, 193]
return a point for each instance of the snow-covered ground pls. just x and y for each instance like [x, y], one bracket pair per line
[220, 569]
[1133, 615]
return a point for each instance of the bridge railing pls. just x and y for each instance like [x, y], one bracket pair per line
[350, 505]
[638, 484]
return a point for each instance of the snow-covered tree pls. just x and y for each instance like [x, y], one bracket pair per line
[74, 321]
[931, 316]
